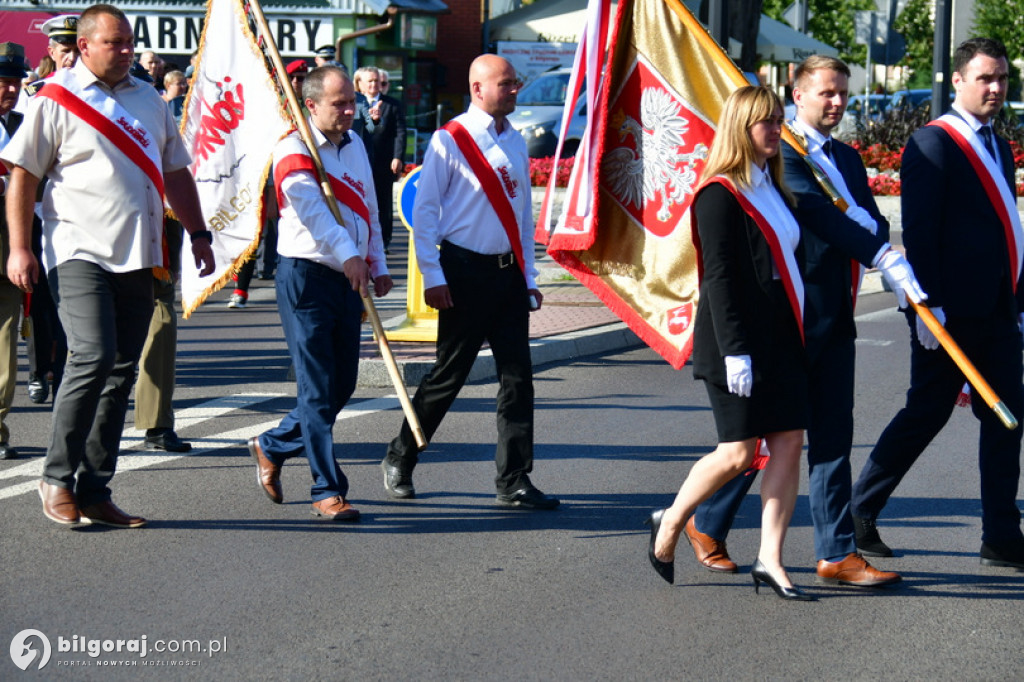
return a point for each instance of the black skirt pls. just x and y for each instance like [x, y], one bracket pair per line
[778, 398]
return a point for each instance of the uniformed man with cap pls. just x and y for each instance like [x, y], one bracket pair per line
[62, 32]
[13, 68]
[62, 49]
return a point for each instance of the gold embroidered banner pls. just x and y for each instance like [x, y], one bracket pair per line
[624, 227]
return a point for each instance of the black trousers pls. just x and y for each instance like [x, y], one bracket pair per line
[994, 346]
[490, 304]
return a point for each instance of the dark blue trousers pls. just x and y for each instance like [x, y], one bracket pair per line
[829, 440]
[321, 317]
[994, 346]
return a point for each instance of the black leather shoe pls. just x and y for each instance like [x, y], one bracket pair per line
[397, 482]
[760, 575]
[165, 439]
[666, 569]
[527, 497]
[38, 389]
[869, 543]
[7, 452]
[1008, 556]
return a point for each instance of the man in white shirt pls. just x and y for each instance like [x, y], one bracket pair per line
[324, 269]
[473, 199]
[109, 146]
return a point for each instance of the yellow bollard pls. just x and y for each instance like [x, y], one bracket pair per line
[420, 323]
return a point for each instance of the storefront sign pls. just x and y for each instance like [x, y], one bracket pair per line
[179, 33]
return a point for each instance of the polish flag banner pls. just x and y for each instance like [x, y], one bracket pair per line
[233, 118]
[655, 91]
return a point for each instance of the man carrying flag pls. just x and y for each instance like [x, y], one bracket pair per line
[473, 199]
[110, 148]
[324, 269]
[963, 236]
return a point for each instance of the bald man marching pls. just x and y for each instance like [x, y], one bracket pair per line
[473, 199]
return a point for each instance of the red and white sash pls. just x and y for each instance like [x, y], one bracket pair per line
[345, 189]
[493, 171]
[93, 106]
[994, 182]
[784, 258]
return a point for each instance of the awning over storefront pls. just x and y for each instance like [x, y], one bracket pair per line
[562, 21]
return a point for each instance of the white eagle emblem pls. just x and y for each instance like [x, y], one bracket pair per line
[656, 165]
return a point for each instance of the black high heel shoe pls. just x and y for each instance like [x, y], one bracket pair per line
[666, 569]
[760, 575]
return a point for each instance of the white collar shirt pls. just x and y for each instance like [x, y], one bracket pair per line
[976, 126]
[99, 206]
[307, 228]
[451, 206]
[772, 206]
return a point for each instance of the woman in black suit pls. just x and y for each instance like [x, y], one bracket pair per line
[748, 336]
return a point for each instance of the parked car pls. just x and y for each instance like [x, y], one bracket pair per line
[860, 113]
[908, 100]
[538, 115]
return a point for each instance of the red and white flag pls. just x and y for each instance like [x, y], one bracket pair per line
[654, 97]
[233, 119]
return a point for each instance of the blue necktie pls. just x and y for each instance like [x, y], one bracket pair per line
[990, 144]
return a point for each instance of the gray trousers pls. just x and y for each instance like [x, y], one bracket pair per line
[106, 316]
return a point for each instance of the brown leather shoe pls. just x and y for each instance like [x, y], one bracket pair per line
[108, 514]
[268, 474]
[855, 570]
[710, 552]
[59, 504]
[335, 509]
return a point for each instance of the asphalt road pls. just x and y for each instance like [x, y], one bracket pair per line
[450, 587]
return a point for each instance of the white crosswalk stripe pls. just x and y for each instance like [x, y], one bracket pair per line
[211, 409]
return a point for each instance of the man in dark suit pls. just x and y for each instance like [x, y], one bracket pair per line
[384, 135]
[963, 236]
[830, 239]
[13, 68]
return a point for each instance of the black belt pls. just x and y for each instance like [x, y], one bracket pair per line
[499, 260]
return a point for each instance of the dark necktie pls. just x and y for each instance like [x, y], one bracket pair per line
[990, 144]
[827, 148]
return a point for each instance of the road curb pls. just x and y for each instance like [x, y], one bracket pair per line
[544, 350]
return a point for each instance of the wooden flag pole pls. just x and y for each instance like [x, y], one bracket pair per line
[325, 186]
[966, 366]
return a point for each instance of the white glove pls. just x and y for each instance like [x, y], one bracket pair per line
[900, 276]
[924, 335]
[863, 218]
[739, 376]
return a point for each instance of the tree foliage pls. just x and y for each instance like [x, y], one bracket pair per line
[1003, 20]
[917, 24]
[831, 22]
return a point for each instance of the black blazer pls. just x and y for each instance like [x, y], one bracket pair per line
[385, 139]
[829, 241]
[14, 120]
[736, 308]
[953, 235]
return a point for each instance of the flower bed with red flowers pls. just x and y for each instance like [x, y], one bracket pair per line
[540, 171]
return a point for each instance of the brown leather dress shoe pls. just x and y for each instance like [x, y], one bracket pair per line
[59, 504]
[108, 514]
[335, 509]
[855, 570]
[710, 552]
[268, 474]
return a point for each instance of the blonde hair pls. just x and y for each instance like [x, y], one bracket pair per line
[732, 151]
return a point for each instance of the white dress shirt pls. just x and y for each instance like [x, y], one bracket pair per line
[99, 206]
[307, 228]
[451, 205]
[976, 126]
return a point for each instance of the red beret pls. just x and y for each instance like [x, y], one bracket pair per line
[298, 66]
